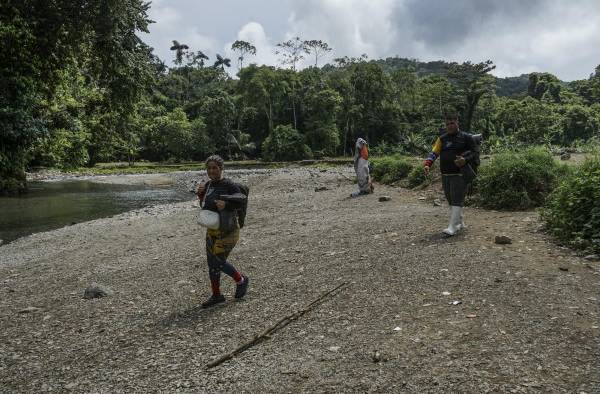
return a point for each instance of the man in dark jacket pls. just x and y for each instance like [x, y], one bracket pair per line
[457, 151]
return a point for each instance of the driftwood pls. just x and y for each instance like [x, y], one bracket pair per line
[266, 333]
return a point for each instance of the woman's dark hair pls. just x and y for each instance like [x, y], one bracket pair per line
[217, 159]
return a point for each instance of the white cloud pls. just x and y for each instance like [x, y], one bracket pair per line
[170, 26]
[557, 36]
[350, 27]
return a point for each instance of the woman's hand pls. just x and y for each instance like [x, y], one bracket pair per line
[201, 190]
[220, 204]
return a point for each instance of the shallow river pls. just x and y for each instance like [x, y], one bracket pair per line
[50, 205]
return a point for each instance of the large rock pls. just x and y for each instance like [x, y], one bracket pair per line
[96, 291]
[502, 240]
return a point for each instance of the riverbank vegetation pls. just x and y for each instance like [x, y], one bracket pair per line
[83, 88]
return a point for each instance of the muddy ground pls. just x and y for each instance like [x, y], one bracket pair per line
[416, 313]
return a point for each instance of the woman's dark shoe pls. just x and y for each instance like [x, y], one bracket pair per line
[240, 290]
[213, 300]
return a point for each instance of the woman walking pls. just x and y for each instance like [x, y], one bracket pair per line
[220, 243]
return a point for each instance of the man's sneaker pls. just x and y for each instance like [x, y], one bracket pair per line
[213, 300]
[240, 290]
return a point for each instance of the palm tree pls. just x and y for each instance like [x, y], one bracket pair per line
[222, 62]
[179, 51]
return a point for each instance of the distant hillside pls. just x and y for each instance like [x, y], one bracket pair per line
[510, 86]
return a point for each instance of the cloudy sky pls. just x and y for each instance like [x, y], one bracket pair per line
[557, 36]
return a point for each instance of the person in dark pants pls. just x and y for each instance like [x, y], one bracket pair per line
[456, 149]
[218, 243]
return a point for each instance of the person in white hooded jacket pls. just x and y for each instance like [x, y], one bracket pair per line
[361, 167]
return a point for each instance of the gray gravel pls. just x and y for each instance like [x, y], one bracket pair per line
[420, 314]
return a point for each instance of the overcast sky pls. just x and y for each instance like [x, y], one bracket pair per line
[520, 36]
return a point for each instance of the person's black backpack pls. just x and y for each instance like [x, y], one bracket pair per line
[244, 205]
[240, 201]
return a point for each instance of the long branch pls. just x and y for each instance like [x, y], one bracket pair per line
[265, 334]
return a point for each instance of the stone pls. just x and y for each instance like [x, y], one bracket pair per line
[384, 198]
[96, 291]
[565, 156]
[502, 240]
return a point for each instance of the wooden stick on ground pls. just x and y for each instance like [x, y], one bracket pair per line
[278, 325]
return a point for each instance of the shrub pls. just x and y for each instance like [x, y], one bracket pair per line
[572, 211]
[285, 144]
[389, 169]
[416, 177]
[517, 180]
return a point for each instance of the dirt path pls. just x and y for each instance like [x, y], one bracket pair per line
[526, 319]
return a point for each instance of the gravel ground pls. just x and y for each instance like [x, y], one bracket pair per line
[418, 313]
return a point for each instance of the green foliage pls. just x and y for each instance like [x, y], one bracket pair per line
[544, 86]
[385, 149]
[40, 40]
[572, 212]
[322, 133]
[389, 169]
[578, 123]
[472, 81]
[416, 177]
[528, 121]
[285, 144]
[517, 180]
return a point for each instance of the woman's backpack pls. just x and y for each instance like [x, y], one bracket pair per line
[244, 205]
[240, 200]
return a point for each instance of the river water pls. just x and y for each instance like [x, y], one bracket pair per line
[51, 205]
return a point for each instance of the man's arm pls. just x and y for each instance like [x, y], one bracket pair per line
[435, 153]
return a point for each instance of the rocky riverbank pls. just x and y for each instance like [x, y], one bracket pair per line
[415, 313]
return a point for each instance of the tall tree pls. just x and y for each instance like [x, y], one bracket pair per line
[292, 51]
[318, 48]
[243, 48]
[472, 81]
